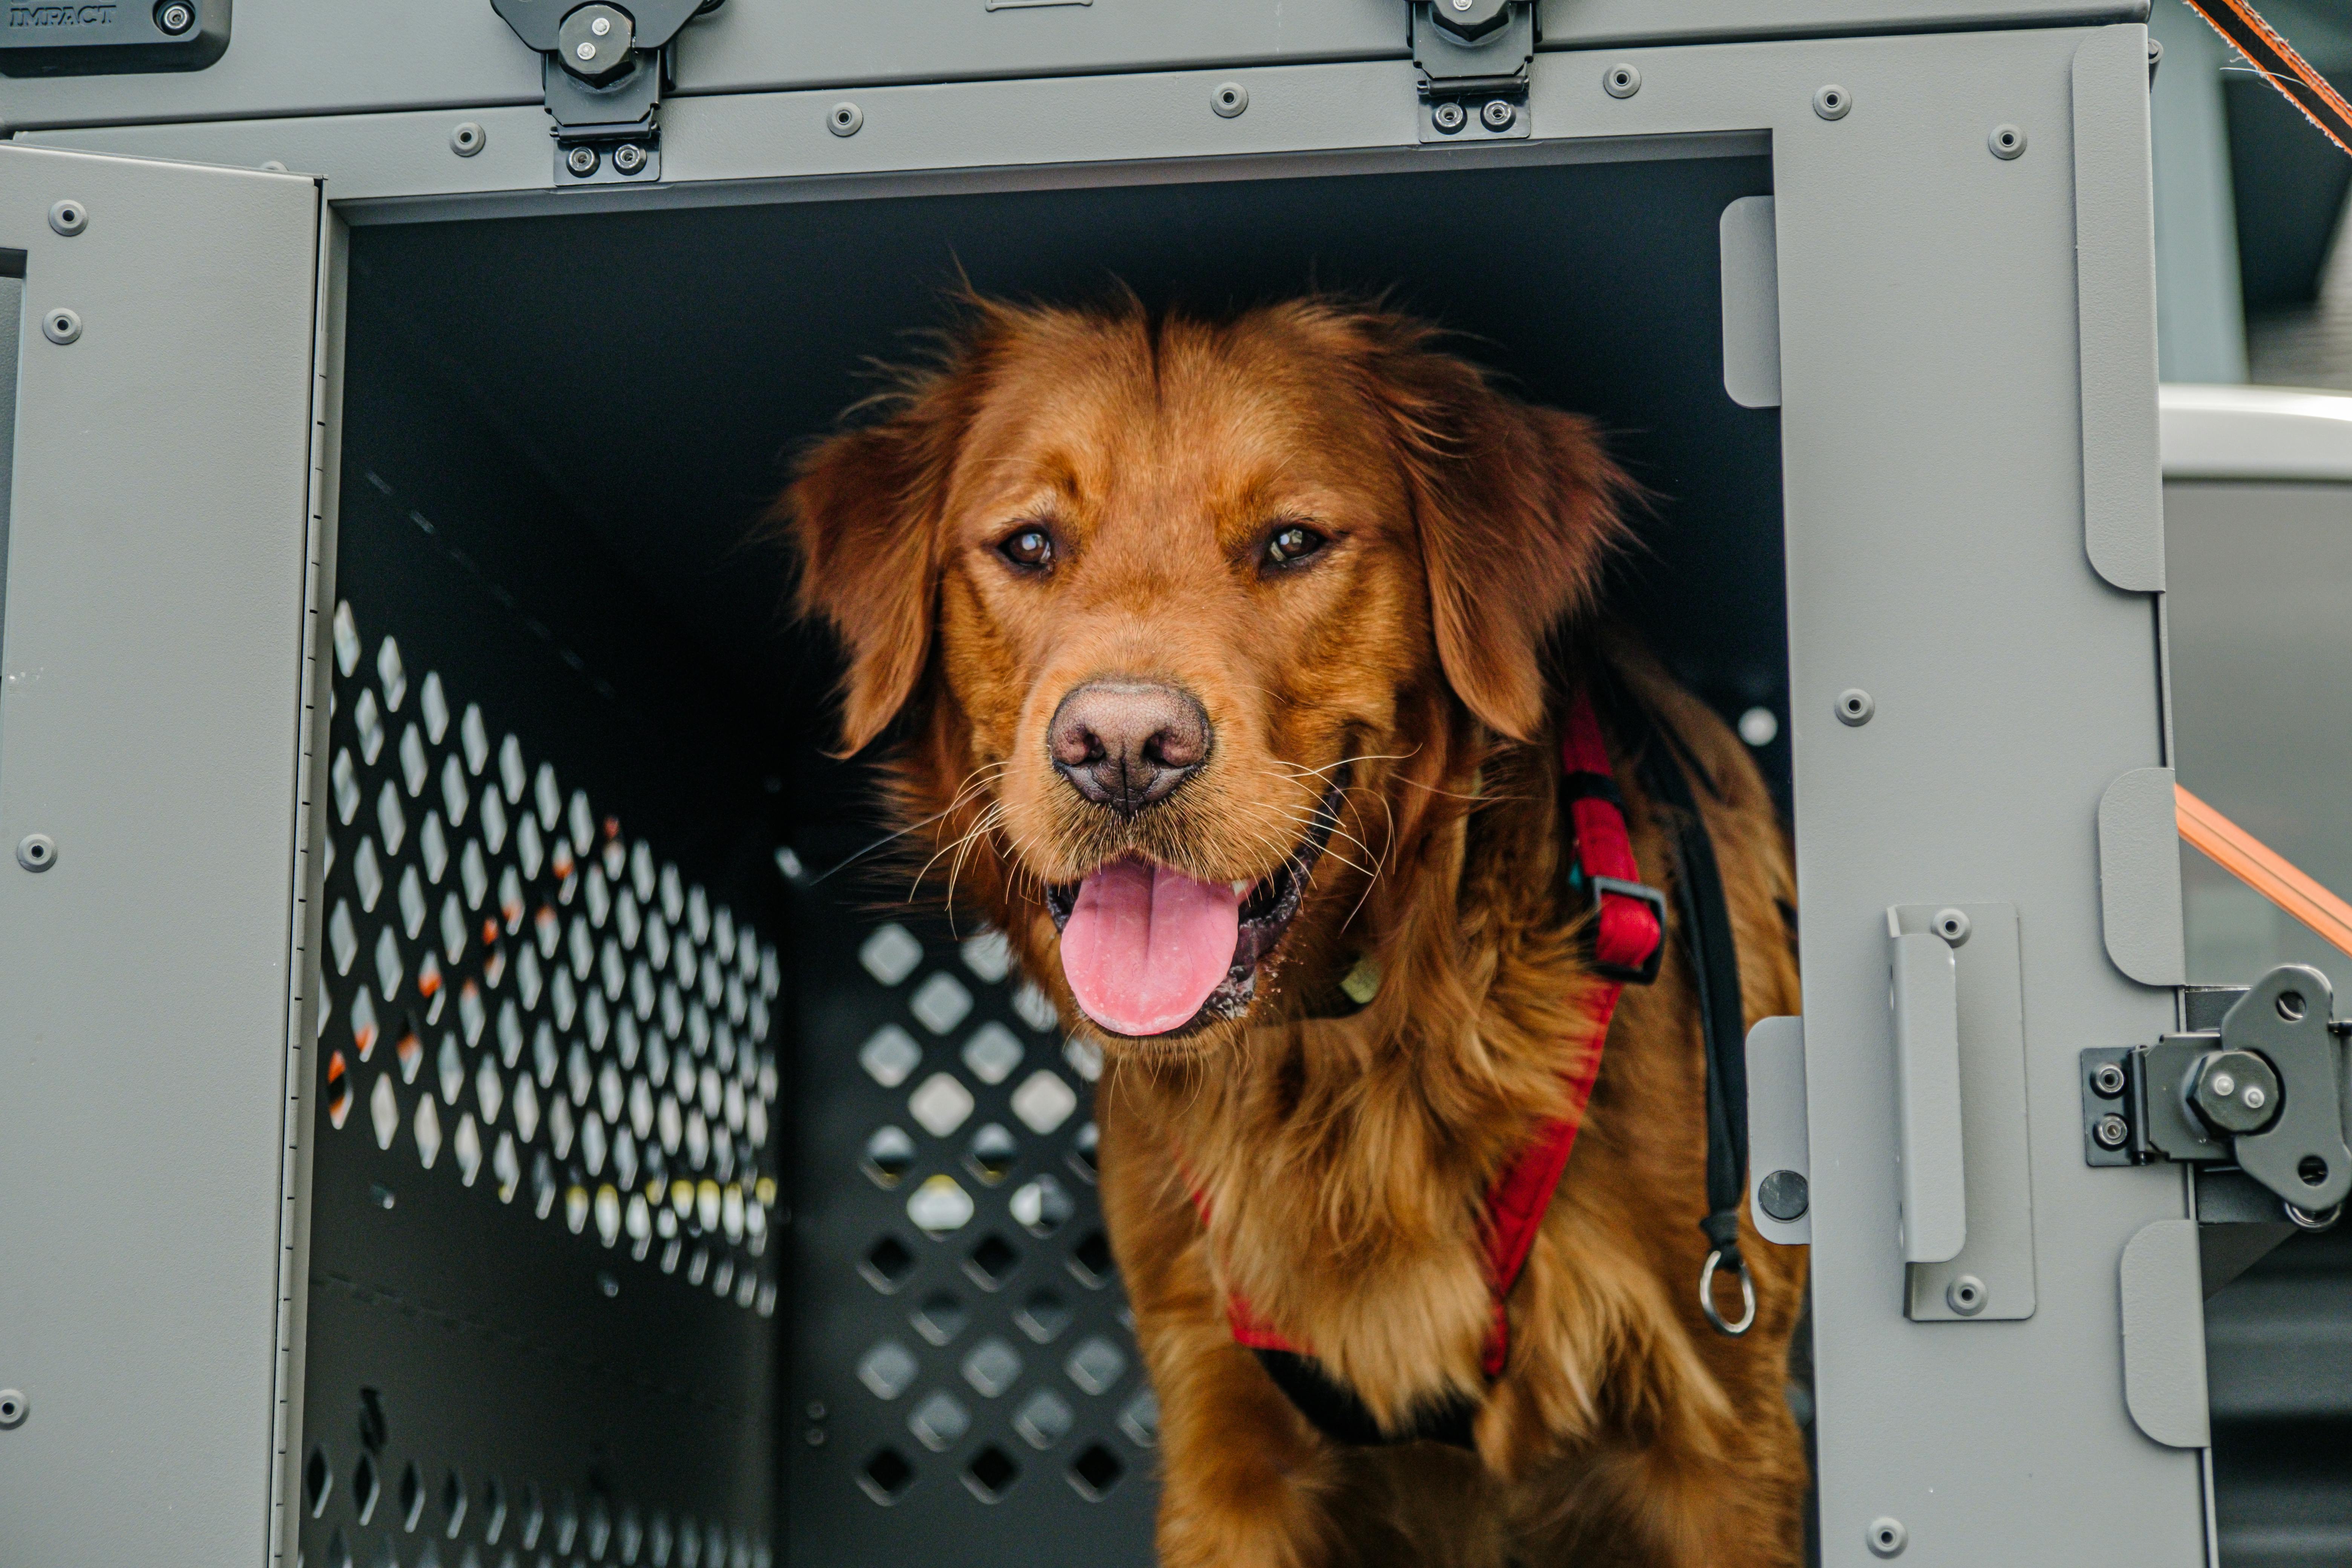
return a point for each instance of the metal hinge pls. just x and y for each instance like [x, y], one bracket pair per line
[603, 71]
[1474, 56]
[2253, 1094]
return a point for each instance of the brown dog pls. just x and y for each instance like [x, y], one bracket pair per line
[1153, 602]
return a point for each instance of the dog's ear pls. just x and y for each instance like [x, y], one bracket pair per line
[865, 512]
[1517, 509]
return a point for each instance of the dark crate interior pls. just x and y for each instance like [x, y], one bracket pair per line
[560, 435]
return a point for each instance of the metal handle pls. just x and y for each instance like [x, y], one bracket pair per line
[1927, 1095]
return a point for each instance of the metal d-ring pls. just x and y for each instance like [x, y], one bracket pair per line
[2323, 1220]
[1747, 1295]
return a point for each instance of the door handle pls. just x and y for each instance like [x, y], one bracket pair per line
[1927, 1007]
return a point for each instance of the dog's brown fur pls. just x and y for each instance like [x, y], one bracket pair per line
[1343, 1158]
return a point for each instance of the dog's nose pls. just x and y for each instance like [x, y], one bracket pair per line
[1126, 744]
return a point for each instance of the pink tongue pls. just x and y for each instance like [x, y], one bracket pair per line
[1145, 945]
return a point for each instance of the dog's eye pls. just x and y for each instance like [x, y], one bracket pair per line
[1293, 545]
[1032, 549]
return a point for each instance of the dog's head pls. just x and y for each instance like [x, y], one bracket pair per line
[1174, 609]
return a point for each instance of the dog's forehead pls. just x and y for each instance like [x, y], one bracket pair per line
[1105, 411]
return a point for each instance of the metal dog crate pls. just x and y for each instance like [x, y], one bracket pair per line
[455, 1111]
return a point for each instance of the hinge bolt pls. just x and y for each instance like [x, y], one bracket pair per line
[582, 161]
[2107, 1079]
[628, 157]
[1498, 115]
[1448, 117]
[2111, 1131]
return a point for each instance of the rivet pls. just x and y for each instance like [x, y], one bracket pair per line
[1621, 81]
[582, 161]
[467, 138]
[1498, 115]
[2107, 1081]
[1229, 100]
[1854, 706]
[844, 119]
[174, 17]
[2110, 1131]
[68, 218]
[1952, 925]
[1966, 1295]
[60, 327]
[14, 1407]
[1886, 1537]
[2007, 142]
[37, 852]
[1832, 102]
[1448, 117]
[628, 157]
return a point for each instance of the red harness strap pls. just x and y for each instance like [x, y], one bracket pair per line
[1629, 935]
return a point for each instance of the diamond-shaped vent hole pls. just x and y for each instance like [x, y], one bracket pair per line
[991, 1474]
[888, 1263]
[988, 955]
[453, 1504]
[886, 1478]
[940, 1003]
[938, 1421]
[365, 1488]
[992, 1053]
[1081, 1157]
[890, 954]
[939, 1207]
[890, 1156]
[890, 1055]
[1044, 1419]
[1140, 1420]
[993, 1367]
[317, 1480]
[1042, 1316]
[941, 1104]
[1044, 1101]
[1089, 1261]
[1037, 1009]
[1095, 1471]
[991, 1263]
[1042, 1206]
[411, 1496]
[888, 1369]
[1095, 1364]
[940, 1318]
[992, 1154]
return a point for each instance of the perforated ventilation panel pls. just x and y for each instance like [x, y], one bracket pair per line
[965, 1385]
[545, 1288]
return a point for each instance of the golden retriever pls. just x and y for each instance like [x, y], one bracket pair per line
[1226, 658]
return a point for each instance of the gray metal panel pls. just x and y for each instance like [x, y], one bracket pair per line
[2164, 1334]
[287, 57]
[150, 721]
[1751, 305]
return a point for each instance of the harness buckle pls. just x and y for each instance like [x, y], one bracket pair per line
[1646, 971]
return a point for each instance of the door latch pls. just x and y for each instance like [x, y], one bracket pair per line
[603, 70]
[1474, 56]
[2254, 1093]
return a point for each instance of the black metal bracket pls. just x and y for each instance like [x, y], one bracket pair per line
[2253, 1092]
[605, 67]
[1474, 56]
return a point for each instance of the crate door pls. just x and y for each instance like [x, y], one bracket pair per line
[158, 366]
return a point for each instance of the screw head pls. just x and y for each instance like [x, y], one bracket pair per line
[2006, 142]
[1854, 706]
[1448, 117]
[844, 119]
[1621, 81]
[1498, 115]
[1785, 1196]
[2110, 1129]
[175, 17]
[1229, 100]
[1966, 1295]
[68, 218]
[2107, 1079]
[60, 326]
[582, 161]
[628, 157]
[37, 852]
[14, 1407]
[1832, 102]
[1952, 925]
[1886, 1537]
[465, 138]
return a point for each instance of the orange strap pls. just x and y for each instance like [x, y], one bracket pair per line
[2265, 869]
[2276, 60]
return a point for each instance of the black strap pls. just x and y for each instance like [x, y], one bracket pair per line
[1715, 971]
[1333, 1408]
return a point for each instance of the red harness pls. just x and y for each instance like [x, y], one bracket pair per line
[1628, 938]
